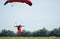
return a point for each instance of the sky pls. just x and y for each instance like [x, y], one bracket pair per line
[43, 13]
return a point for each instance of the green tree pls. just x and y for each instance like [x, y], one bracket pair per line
[58, 33]
[54, 32]
[26, 33]
[7, 33]
[41, 32]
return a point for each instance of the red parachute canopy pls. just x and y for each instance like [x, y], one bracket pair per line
[22, 1]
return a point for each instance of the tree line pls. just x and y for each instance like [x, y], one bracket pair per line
[39, 33]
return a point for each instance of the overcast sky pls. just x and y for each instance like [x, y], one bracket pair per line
[43, 13]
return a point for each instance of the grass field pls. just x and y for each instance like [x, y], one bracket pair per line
[29, 37]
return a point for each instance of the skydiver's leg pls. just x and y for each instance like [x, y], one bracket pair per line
[5, 2]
